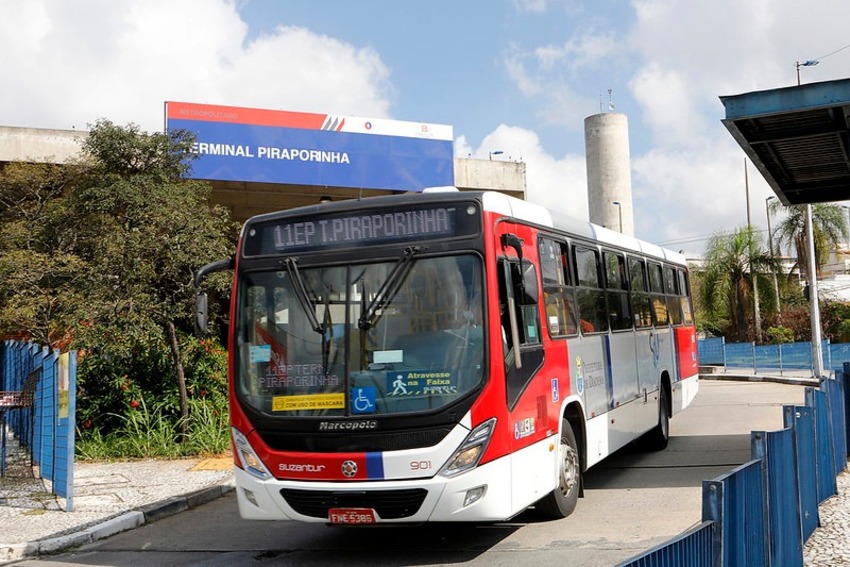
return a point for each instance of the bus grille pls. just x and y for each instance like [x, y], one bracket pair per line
[389, 504]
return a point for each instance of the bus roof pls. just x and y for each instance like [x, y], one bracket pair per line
[530, 212]
[494, 202]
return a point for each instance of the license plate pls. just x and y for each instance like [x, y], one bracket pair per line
[352, 516]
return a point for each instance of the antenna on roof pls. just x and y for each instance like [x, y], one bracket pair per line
[610, 101]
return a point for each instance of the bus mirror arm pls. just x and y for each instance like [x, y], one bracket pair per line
[217, 266]
[514, 242]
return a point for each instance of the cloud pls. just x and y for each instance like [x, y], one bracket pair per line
[66, 67]
[556, 183]
[684, 196]
[549, 76]
[689, 181]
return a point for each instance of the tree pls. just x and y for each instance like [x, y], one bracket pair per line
[39, 272]
[99, 255]
[143, 229]
[829, 226]
[726, 285]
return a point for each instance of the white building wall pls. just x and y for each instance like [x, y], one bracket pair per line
[39, 145]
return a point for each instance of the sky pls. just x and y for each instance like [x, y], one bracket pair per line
[518, 76]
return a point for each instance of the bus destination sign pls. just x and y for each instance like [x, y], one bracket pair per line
[358, 228]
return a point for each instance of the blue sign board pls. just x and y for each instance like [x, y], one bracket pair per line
[268, 146]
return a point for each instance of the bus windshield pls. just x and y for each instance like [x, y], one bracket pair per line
[360, 339]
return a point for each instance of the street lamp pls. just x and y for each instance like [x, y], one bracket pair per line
[495, 153]
[809, 63]
[619, 206]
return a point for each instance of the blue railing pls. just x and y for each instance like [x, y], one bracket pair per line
[46, 428]
[716, 351]
[762, 512]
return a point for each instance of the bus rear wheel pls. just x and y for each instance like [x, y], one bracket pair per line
[562, 501]
[656, 439]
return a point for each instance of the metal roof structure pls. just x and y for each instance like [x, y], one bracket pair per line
[798, 137]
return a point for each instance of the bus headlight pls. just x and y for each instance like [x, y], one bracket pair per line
[249, 459]
[469, 453]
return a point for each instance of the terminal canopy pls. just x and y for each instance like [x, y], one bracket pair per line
[797, 137]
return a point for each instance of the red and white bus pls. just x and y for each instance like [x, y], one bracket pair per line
[445, 356]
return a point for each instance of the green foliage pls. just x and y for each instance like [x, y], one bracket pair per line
[780, 334]
[829, 227]
[119, 376]
[144, 433]
[835, 320]
[725, 290]
[99, 256]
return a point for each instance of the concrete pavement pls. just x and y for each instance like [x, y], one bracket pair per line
[108, 498]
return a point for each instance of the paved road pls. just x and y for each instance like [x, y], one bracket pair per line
[633, 501]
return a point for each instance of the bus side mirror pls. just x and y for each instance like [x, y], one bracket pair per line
[201, 315]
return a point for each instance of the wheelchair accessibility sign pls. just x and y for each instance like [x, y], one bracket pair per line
[363, 400]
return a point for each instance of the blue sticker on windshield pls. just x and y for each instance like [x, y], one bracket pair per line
[363, 400]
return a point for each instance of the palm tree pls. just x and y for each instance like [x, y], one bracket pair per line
[726, 285]
[829, 226]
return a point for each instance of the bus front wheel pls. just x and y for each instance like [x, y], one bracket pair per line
[561, 502]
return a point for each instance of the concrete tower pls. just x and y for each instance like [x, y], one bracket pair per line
[609, 178]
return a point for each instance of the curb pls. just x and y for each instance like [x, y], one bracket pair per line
[796, 381]
[125, 521]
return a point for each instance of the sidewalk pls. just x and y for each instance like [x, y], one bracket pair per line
[796, 377]
[108, 498]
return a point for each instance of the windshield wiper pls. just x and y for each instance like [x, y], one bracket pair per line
[390, 288]
[291, 265]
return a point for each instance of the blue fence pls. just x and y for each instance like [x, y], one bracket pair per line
[44, 428]
[762, 512]
[716, 351]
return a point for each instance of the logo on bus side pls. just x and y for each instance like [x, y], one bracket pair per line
[524, 428]
[579, 377]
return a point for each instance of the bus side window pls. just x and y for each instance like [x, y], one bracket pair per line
[656, 288]
[616, 286]
[593, 313]
[641, 306]
[558, 293]
[673, 303]
[685, 298]
[526, 312]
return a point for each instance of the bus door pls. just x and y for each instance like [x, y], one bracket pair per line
[519, 314]
[647, 353]
[528, 395]
[622, 348]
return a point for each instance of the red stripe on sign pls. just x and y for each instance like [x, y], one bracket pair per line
[238, 115]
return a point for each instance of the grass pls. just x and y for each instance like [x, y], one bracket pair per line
[152, 433]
